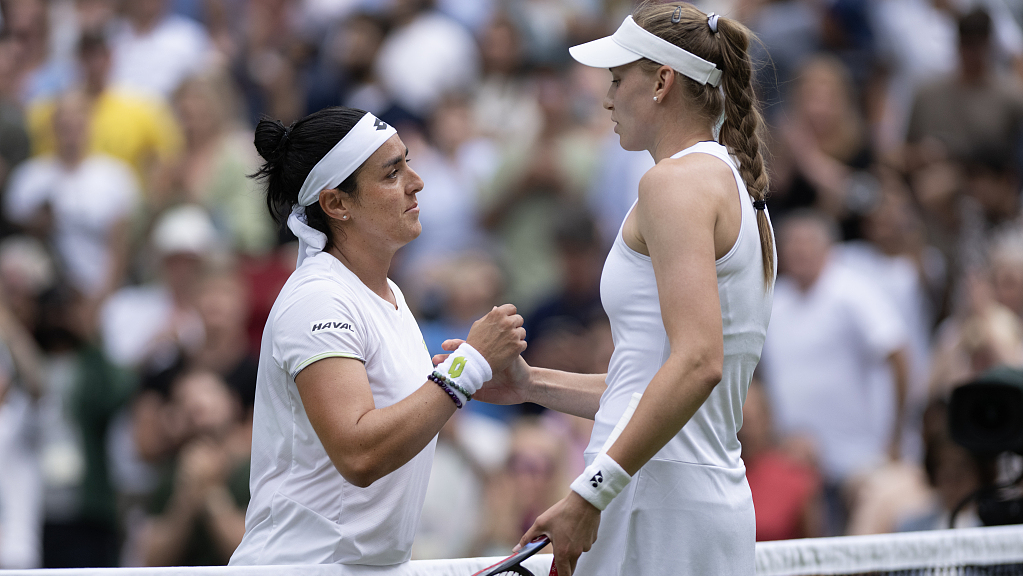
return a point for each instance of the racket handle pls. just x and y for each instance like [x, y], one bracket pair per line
[554, 571]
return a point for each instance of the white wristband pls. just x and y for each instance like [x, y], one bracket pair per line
[467, 368]
[601, 482]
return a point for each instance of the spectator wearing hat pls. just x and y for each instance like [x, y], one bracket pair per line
[151, 323]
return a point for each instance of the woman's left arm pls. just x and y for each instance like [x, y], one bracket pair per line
[677, 224]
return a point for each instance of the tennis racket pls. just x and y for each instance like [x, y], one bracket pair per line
[513, 564]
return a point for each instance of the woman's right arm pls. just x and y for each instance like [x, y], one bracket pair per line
[576, 394]
[366, 443]
[568, 392]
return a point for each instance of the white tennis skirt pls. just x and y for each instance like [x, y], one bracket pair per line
[676, 518]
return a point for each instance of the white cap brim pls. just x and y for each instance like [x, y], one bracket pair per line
[631, 42]
[603, 53]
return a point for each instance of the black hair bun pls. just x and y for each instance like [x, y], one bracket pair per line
[271, 140]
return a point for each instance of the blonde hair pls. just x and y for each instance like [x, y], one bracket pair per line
[687, 27]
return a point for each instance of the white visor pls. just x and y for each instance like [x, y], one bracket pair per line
[631, 42]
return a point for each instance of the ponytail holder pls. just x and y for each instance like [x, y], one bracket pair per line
[759, 205]
[284, 139]
[713, 22]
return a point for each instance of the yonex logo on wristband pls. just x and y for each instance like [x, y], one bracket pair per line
[601, 481]
[330, 326]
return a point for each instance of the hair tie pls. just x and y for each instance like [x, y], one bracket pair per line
[284, 139]
[713, 22]
[759, 205]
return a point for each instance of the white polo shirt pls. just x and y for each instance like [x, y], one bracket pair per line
[302, 511]
[823, 359]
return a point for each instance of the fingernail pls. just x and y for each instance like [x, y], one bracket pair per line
[516, 549]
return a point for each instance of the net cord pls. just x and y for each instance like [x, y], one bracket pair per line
[999, 545]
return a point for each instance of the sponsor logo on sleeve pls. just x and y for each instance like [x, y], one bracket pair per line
[330, 326]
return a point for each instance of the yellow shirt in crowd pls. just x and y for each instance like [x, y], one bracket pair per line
[129, 127]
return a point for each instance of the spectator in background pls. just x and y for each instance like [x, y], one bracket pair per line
[139, 131]
[37, 73]
[978, 107]
[954, 474]
[558, 327]
[991, 203]
[154, 51]
[150, 329]
[424, 56]
[471, 449]
[985, 329]
[823, 152]
[455, 293]
[80, 201]
[21, 492]
[908, 57]
[896, 259]
[534, 180]
[83, 394]
[1006, 256]
[616, 185]
[790, 33]
[213, 170]
[223, 304]
[197, 513]
[345, 74]
[25, 270]
[835, 344]
[14, 141]
[535, 476]
[505, 106]
[152, 324]
[266, 60]
[786, 491]
[456, 164]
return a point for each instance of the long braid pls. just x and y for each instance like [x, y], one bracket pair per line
[686, 26]
[743, 126]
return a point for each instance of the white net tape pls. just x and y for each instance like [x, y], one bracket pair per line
[937, 551]
[954, 552]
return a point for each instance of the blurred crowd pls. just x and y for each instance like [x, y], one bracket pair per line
[138, 262]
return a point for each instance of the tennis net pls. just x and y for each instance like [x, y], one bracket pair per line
[995, 551]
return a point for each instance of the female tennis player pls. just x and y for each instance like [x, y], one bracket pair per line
[348, 403]
[688, 289]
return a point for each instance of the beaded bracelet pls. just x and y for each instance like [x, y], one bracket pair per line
[454, 385]
[443, 385]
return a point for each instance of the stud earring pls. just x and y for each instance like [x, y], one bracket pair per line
[344, 217]
[655, 98]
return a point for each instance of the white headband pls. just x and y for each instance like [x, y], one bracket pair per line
[347, 155]
[343, 159]
[631, 42]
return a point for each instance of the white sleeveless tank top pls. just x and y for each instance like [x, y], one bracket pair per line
[629, 294]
